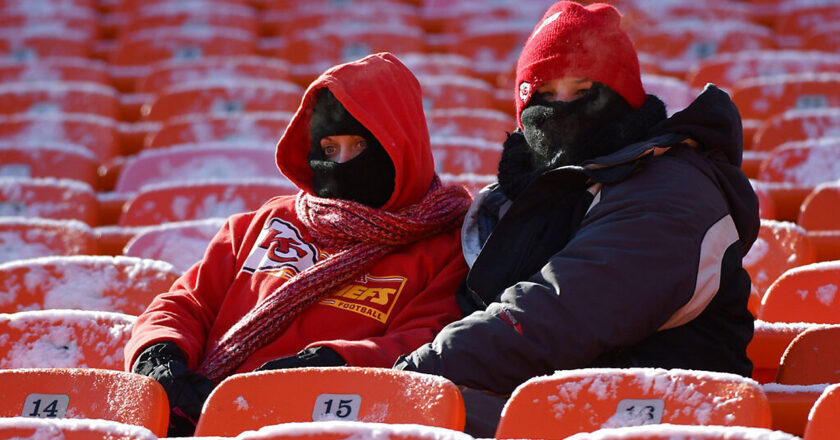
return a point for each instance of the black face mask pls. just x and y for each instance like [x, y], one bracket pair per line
[367, 178]
[569, 133]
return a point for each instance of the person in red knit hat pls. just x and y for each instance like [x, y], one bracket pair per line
[358, 267]
[614, 235]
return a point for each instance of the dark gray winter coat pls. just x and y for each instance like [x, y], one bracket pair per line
[632, 260]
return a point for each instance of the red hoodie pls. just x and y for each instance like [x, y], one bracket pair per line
[402, 301]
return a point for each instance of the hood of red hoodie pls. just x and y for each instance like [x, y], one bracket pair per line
[384, 96]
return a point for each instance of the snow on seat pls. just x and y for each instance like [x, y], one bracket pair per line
[819, 209]
[680, 44]
[823, 38]
[98, 134]
[286, 19]
[23, 237]
[796, 19]
[40, 159]
[589, 399]
[472, 182]
[374, 395]
[169, 73]
[180, 243]
[29, 42]
[438, 64]
[812, 357]
[85, 393]
[454, 91]
[54, 68]
[790, 405]
[170, 202]
[148, 46]
[675, 93]
[806, 293]
[339, 430]
[764, 97]
[462, 155]
[196, 162]
[797, 125]
[224, 97]
[483, 123]
[58, 199]
[493, 45]
[263, 128]
[673, 432]
[99, 283]
[191, 14]
[805, 163]
[780, 246]
[822, 420]
[727, 69]
[63, 338]
[71, 429]
[769, 342]
[39, 97]
[77, 16]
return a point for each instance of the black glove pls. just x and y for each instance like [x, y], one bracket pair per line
[311, 357]
[186, 389]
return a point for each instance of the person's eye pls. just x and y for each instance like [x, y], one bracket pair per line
[329, 150]
[362, 144]
[548, 96]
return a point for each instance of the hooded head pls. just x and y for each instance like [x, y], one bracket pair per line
[573, 40]
[376, 98]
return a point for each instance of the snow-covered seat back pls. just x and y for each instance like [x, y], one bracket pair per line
[337, 430]
[248, 401]
[804, 163]
[797, 125]
[22, 237]
[85, 393]
[59, 97]
[819, 209]
[100, 283]
[823, 423]
[812, 357]
[263, 128]
[589, 399]
[806, 293]
[780, 246]
[727, 69]
[671, 432]
[492, 125]
[62, 68]
[180, 243]
[459, 155]
[96, 133]
[71, 429]
[58, 199]
[64, 338]
[764, 97]
[36, 159]
[170, 73]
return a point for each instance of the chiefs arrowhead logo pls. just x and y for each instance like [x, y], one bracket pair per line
[280, 248]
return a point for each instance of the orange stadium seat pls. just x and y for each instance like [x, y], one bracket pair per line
[191, 14]
[492, 45]
[22, 237]
[453, 91]
[248, 401]
[195, 162]
[101, 283]
[675, 93]
[200, 200]
[351, 430]
[769, 342]
[224, 97]
[640, 14]
[790, 405]
[97, 134]
[470, 122]
[39, 97]
[812, 357]
[48, 198]
[180, 243]
[764, 97]
[671, 432]
[472, 182]
[48, 159]
[133, 6]
[461, 155]
[766, 204]
[286, 19]
[155, 44]
[727, 69]
[85, 393]
[805, 163]
[826, 244]
[796, 19]
[263, 128]
[681, 44]
[586, 400]
[780, 246]
[822, 420]
[170, 73]
[62, 15]
[819, 209]
[27, 43]
[797, 125]
[64, 338]
[804, 294]
[71, 429]
[438, 64]
[54, 68]
[823, 39]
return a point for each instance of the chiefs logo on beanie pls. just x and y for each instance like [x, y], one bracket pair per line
[582, 41]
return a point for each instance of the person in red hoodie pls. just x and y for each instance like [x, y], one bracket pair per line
[357, 268]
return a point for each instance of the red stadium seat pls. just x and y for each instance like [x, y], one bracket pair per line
[452, 91]
[804, 294]
[170, 73]
[48, 198]
[671, 432]
[790, 405]
[780, 246]
[823, 39]
[797, 125]
[769, 342]
[248, 401]
[71, 429]
[41, 97]
[472, 182]
[460, 155]
[22, 237]
[492, 45]
[819, 210]
[255, 128]
[805, 163]
[438, 64]
[675, 93]
[589, 399]
[48, 159]
[286, 19]
[727, 69]
[79, 17]
[180, 243]
[155, 44]
[191, 14]
[822, 420]
[764, 97]
[96, 133]
[86, 394]
[796, 19]
[224, 97]
[64, 338]
[101, 283]
[54, 68]
[200, 200]
[470, 122]
[28, 43]
[351, 430]
[812, 357]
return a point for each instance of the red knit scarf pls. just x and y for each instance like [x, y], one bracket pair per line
[360, 235]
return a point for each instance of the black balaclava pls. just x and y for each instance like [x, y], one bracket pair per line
[563, 133]
[367, 178]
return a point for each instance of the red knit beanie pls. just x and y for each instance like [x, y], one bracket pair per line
[584, 41]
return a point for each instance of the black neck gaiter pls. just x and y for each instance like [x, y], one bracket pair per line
[367, 178]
